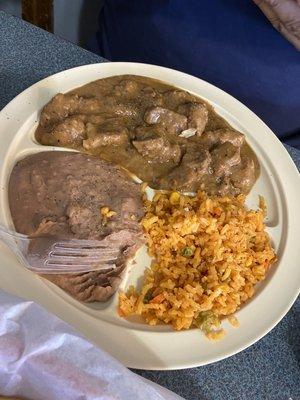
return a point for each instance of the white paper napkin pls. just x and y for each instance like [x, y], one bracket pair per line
[41, 357]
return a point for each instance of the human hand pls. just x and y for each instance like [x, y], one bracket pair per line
[284, 16]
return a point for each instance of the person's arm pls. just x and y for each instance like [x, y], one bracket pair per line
[284, 16]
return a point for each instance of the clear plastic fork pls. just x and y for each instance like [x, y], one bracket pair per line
[51, 255]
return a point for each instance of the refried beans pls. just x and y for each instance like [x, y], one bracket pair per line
[61, 194]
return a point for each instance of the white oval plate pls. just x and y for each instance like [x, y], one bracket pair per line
[135, 344]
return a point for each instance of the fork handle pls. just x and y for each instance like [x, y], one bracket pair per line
[75, 270]
[4, 231]
[17, 242]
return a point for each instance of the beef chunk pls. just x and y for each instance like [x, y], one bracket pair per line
[147, 132]
[197, 115]
[149, 95]
[225, 156]
[176, 97]
[158, 149]
[243, 176]
[59, 108]
[111, 134]
[94, 119]
[170, 120]
[116, 138]
[193, 166]
[70, 132]
[63, 105]
[127, 87]
[222, 136]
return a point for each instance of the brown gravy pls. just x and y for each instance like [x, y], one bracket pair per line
[136, 121]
